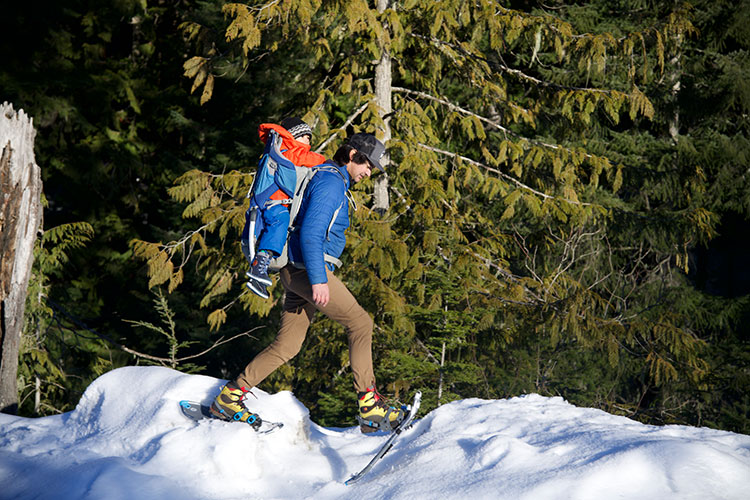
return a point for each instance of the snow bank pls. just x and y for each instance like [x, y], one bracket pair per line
[127, 439]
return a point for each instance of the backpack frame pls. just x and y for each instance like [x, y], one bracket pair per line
[275, 172]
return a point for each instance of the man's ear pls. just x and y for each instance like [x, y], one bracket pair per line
[351, 154]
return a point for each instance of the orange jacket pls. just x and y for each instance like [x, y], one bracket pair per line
[293, 150]
[296, 152]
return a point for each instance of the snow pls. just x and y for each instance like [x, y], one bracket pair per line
[127, 439]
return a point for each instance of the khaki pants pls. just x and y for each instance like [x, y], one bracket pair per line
[295, 320]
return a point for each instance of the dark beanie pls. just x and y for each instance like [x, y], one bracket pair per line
[296, 127]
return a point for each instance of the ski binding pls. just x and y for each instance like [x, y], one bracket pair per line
[198, 412]
[408, 419]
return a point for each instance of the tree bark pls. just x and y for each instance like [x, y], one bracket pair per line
[383, 96]
[676, 82]
[20, 219]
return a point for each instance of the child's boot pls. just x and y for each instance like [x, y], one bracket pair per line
[257, 288]
[259, 268]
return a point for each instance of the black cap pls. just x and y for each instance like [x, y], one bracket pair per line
[296, 127]
[368, 145]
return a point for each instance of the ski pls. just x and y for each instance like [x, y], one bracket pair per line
[391, 439]
[197, 412]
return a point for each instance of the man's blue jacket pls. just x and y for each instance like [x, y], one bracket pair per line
[321, 221]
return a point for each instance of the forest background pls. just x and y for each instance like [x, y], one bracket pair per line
[565, 212]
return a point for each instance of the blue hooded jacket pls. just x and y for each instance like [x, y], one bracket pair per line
[317, 232]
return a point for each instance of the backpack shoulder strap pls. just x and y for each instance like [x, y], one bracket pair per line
[294, 209]
[330, 168]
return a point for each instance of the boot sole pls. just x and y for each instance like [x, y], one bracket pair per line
[257, 289]
[264, 281]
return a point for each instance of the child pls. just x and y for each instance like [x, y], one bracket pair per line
[295, 146]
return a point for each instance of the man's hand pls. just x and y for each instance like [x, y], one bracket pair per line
[321, 294]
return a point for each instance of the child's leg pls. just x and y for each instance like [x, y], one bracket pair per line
[270, 243]
[276, 223]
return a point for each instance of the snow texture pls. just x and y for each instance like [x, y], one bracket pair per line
[127, 439]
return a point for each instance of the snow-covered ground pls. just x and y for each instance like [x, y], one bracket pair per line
[128, 440]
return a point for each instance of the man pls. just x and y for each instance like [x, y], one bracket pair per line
[317, 240]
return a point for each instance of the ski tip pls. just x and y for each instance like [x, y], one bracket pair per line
[185, 404]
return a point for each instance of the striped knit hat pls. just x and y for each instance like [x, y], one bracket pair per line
[296, 127]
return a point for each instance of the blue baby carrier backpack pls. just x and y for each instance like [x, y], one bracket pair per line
[275, 172]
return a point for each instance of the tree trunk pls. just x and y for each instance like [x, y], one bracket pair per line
[20, 218]
[676, 82]
[383, 96]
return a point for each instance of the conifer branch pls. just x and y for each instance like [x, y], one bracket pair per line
[488, 262]
[219, 342]
[486, 167]
[515, 72]
[481, 118]
[455, 107]
[182, 242]
[348, 122]
[502, 174]
[513, 279]
[427, 350]
[80, 324]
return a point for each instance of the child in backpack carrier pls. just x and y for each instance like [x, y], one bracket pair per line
[296, 136]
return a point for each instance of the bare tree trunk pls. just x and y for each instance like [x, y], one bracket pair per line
[440, 382]
[20, 219]
[675, 81]
[383, 96]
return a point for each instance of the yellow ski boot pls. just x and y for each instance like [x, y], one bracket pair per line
[375, 414]
[230, 405]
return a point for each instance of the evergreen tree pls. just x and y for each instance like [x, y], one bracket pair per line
[55, 361]
[677, 196]
[116, 125]
[502, 193]
[714, 146]
[561, 178]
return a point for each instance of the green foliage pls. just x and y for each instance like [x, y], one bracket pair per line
[50, 369]
[169, 332]
[554, 169]
[57, 242]
[513, 232]
[115, 126]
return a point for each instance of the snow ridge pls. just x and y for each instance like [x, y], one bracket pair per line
[127, 439]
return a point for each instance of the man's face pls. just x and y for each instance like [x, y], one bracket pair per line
[358, 171]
